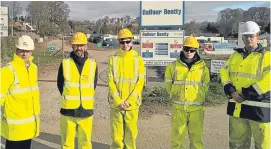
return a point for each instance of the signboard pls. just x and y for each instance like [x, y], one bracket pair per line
[3, 33]
[52, 48]
[160, 47]
[3, 21]
[216, 65]
[99, 45]
[219, 48]
[161, 13]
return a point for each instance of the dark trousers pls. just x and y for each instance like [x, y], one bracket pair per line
[25, 144]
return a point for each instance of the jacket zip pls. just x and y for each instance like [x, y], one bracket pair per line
[32, 99]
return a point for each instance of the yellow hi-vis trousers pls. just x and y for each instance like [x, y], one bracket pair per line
[241, 131]
[181, 122]
[123, 129]
[69, 126]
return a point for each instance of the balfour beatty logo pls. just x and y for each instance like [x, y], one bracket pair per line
[158, 12]
[155, 34]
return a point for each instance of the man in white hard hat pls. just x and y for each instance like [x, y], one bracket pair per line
[20, 103]
[246, 81]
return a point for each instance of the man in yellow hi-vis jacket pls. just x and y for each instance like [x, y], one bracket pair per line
[126, 72]
[186, 81]
[20, 97]
[246, 81]
[77, 79]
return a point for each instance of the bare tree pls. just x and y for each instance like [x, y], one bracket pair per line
[192, 28]
[15, 8]
[50, 17]
[228, 20]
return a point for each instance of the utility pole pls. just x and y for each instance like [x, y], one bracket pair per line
[12, 18]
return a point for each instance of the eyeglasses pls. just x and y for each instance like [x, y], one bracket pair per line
[127, 42]
[189, 50]
[249, 36]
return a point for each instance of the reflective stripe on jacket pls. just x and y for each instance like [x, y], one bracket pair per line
[126, 74]
[187, 87]
[78, 89]
[19, 100]
[249, 76]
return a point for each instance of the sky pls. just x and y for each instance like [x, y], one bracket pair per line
[194, 10]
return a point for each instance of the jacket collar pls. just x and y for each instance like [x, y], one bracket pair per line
[19, 60]
[259, 49]
[77, 59]
[196, 63]
[129, 53]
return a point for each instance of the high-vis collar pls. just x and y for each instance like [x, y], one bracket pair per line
[19, 60]
[132, 52]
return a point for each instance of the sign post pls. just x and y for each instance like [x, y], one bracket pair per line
[52, 48]
[160, 47]
[240, 41]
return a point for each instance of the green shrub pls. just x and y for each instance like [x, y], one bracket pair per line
[7, 48]
[158, 94]
[155, 94]
[216, 94]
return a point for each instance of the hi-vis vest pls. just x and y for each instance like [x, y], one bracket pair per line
[126, 78]
[19, 101]
[78, 89]
[187, 87]
[241, 73]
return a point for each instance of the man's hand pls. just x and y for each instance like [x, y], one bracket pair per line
[238, 97]
[124, 105]
[127, 104]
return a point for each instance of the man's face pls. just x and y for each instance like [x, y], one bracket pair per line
[126, 44]
[79, 49]
[23, 54]
[250, 40]
[189, 53]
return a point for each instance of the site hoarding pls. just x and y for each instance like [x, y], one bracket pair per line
[161, 13]
[219, 48]
[160, 47]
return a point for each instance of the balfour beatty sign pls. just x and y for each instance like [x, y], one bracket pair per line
[161, 13]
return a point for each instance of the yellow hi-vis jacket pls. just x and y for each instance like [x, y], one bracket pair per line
[126, 74]
[187, 88]
[249, 76]
[78, 89]
[19, 100]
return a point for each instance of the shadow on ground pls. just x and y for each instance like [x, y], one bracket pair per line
[52, 141]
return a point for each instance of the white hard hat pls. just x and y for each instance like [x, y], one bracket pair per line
[250, 27]
[25, 43]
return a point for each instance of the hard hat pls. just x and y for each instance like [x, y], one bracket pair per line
[125, 33]
[79, 38]
[191, 42]
[25, 43]
[250, 27]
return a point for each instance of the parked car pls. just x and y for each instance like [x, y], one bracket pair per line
[91, 38]
[98, 39]
[110, 42]
[202, 42]
[136, 41]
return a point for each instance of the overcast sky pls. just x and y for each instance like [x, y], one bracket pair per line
[194, 10]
